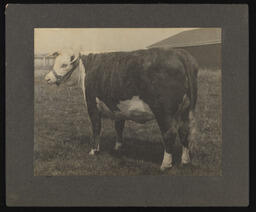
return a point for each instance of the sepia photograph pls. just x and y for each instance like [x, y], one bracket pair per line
[127, 101]
[127, 105]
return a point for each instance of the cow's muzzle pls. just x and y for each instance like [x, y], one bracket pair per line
[50, 78]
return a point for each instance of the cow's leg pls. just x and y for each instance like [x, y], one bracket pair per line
[95, 118]
[169, 137]
[169, 129]
[95, 141]
[119, 126]
[187, 132]
[184, 133]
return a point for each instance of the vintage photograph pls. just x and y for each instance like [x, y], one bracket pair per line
[127, 101]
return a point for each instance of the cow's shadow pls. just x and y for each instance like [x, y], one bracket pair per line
[138, 149]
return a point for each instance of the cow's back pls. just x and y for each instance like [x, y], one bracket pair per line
[149, 74]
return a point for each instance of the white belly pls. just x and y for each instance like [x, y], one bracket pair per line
[132, 109]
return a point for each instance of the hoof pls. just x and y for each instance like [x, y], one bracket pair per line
[185, 158]
[117, 146]
[186, 165]
[93, 152]
[185, 162]
[163, 167]
[167, 161]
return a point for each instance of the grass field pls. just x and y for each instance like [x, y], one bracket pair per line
[62, 133]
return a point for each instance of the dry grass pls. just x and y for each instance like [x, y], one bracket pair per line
[62, 133]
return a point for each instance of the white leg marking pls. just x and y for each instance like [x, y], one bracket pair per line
[94, 151]
[185, 159]
[167, 161]
[118, 145]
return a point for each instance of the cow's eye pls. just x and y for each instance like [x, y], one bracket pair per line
[64, 65]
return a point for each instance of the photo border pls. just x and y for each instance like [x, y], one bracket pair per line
[23, 189]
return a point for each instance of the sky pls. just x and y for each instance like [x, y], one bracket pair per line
[93, 40]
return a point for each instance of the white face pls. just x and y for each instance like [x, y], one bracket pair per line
[64, 63]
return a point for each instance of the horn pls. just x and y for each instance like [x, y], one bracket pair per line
[53, 54]
[74, 57]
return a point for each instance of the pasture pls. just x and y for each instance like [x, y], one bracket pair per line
[62, 132]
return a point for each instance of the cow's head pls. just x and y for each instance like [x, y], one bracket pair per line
[66, 62]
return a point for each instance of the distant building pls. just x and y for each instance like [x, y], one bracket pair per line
[204, 44]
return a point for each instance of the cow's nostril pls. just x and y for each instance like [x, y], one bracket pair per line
[48, 80]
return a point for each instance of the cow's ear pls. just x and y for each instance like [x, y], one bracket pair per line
[53, 54]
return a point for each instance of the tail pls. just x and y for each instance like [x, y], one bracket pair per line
[192, 128]
[192, 81]
[191, 71]
[191, 67]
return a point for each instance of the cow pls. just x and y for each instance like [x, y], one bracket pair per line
[148, 84]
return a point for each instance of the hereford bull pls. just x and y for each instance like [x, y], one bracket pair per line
[140, 86]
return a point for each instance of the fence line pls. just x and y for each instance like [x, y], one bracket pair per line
[43, 62]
